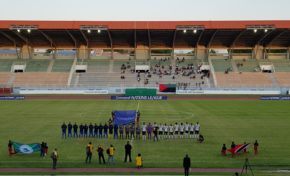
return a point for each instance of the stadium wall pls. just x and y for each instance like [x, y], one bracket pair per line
[122, 90]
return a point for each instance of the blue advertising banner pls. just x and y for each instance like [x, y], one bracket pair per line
[275, 98]
[11, 97]
[138, 97]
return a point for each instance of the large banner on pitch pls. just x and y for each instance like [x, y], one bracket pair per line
[26, 148]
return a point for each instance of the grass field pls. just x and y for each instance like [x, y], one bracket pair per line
[221, 122]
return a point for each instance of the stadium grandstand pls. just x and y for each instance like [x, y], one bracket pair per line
[190, 54]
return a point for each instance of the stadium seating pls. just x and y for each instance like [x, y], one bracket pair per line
[221, 65]
[5, 65]
[40, 79]
[37, 65]
[4, 78]
[283, 78]
[245, 79]
[249, 65]
[98, 65]
[281, 65]
[62, 65]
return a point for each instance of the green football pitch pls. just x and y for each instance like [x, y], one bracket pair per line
[221, 122]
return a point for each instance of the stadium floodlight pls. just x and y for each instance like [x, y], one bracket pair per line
[193, 28]
[28, 28]
[92, 28]
[256, 28]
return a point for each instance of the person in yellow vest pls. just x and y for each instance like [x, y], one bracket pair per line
[111, 153]
[139, 161]
[89, 152]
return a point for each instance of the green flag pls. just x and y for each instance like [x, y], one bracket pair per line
[26, 148]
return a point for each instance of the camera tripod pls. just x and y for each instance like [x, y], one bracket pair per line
[247, 167]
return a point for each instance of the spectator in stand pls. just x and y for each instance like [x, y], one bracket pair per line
[63, 128]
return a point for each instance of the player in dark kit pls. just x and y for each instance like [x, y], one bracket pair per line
[91, 130]
[132, 131]
[127, 131]
[69, 127]
[121, 132]
[111, 128]
[138, 132]
[86, 131]
[75, 128]
[101, 130]
[116, 131]
[96, 130]
[81, 130]
[106, 131]
[63, 129]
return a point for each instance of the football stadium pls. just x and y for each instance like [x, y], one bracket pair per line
[145, 97]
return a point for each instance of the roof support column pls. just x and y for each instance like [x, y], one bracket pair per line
[149, 43]
[135, 43]
[258, 52]
[173, 44]
[111, 44]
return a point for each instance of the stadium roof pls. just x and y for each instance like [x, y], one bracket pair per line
[154, 34]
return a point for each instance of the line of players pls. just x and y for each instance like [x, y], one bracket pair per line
[149, 131]
[164, 131]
